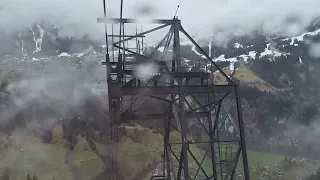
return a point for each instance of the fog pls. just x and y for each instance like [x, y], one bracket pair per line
[66, 88]
[61, 85]
[44, 95]
[314, 50]
[202, 18]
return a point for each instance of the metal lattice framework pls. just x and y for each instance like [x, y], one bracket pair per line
[202, 121]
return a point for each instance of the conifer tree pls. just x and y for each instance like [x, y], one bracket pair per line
[34, 177]
[28, 177]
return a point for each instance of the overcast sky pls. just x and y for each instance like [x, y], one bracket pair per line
[201, 17]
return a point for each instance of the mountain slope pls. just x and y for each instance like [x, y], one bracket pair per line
[274, 74]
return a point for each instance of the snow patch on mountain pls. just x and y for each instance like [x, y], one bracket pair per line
[37, 40]
[35, 59]
[85, 52]
[231, 66]
[199, 54]
[301, 37]
[63, 54]
[22, 44]
[237, 45]
[271, 51]
[161, 49]
[251, 55]
[300, 60]
[222, 58]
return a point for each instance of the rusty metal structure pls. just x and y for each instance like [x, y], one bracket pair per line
[202, 121]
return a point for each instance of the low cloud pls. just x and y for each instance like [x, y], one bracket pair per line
[200, 18]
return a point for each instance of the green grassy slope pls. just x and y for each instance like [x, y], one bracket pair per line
[246, 76]
[25, 154]
[139, 151]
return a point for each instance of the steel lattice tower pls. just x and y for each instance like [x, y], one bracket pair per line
[194, 110]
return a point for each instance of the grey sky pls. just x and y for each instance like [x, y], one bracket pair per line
[201, 17]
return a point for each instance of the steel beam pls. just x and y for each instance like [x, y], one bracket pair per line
[182, 115]
[128, 20]
[242, 134]
[147, 91]
[142, 117]
[134, 36]
[162, 41]
[143, 33]
[204, 120]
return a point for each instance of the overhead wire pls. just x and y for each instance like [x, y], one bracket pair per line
[175, 14]
[120, 25]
